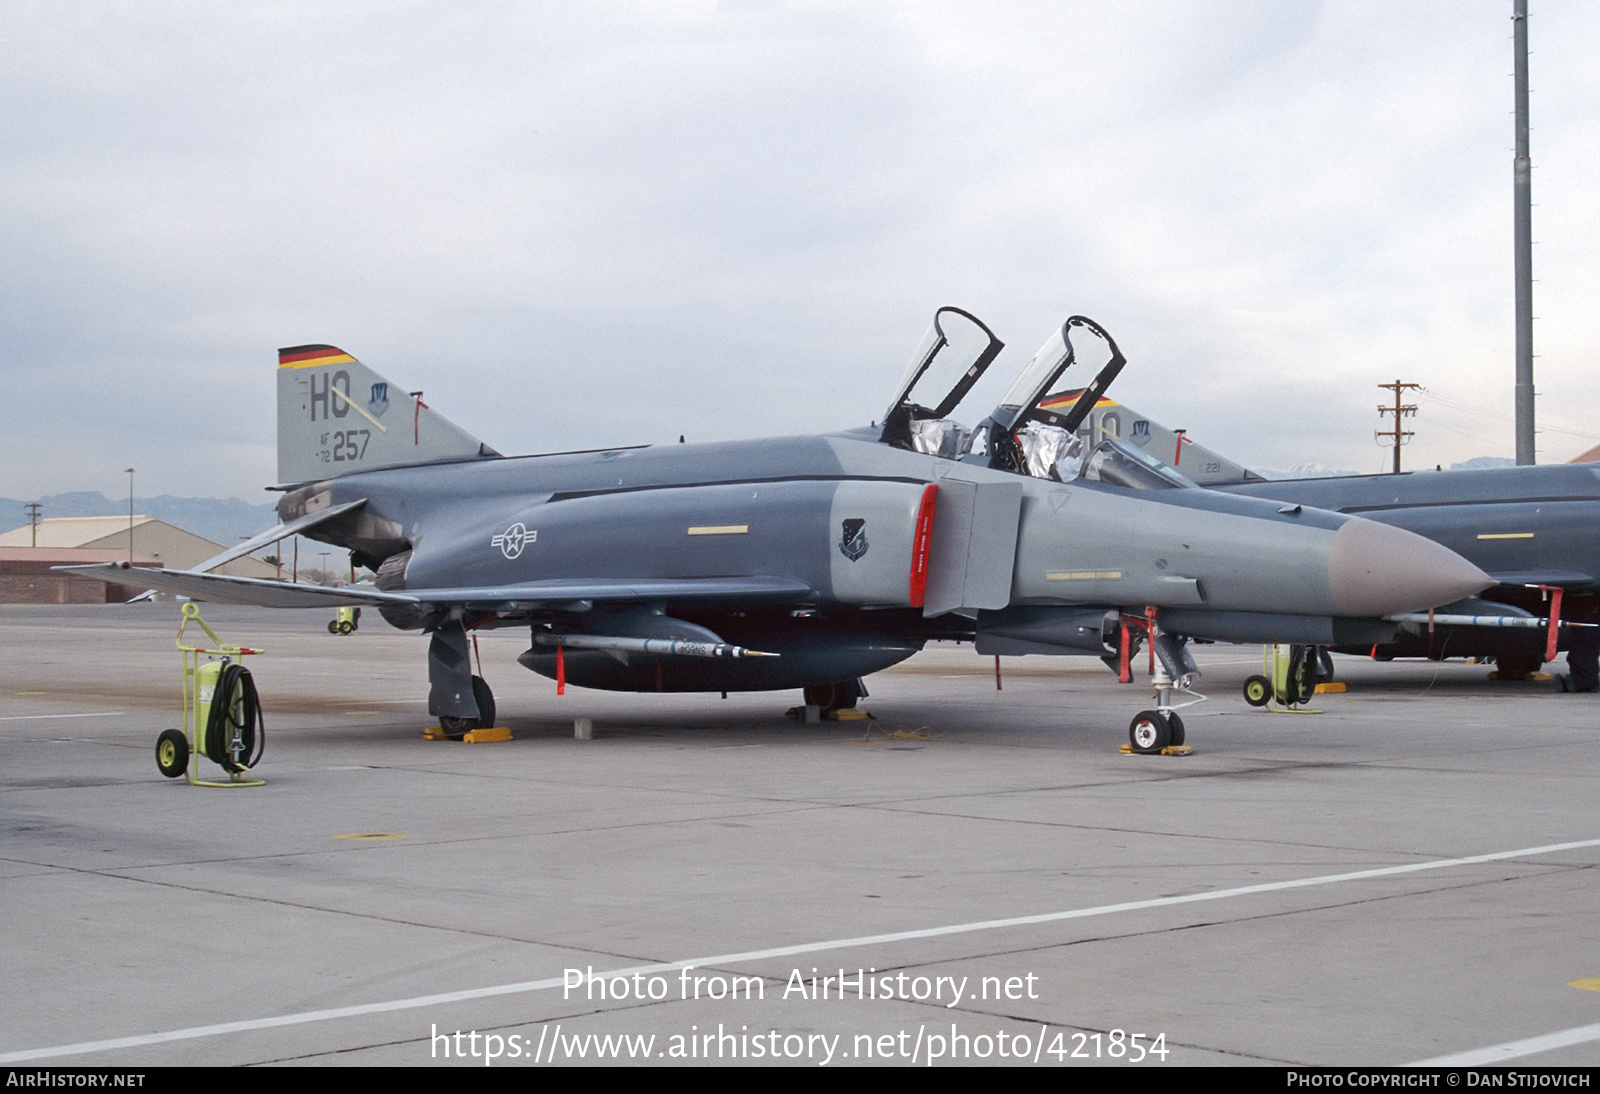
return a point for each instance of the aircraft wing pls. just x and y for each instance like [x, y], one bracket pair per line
[237, 590]
[527, 595]
[1567, 579]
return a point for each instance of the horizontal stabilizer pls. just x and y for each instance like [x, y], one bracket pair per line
[274, 534]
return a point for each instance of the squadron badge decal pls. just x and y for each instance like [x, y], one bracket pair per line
[378, 401]
[853, 543]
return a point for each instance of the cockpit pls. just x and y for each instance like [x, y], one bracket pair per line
[1035, 429]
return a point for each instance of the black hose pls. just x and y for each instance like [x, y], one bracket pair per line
[222, 726]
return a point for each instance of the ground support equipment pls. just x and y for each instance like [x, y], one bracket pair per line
[221, 712]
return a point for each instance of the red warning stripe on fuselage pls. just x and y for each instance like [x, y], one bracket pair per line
[920, 544]
[312, 356]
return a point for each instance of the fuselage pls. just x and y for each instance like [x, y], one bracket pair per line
[836, 517]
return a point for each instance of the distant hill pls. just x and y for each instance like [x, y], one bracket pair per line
[224, 520]
[1304, 471]
[1480, 462]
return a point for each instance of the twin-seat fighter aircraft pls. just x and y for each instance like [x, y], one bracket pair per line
[809, 562]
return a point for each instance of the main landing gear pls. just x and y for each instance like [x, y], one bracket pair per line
[1154, 731]
[461, 701]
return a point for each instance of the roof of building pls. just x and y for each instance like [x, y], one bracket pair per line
[69, 531]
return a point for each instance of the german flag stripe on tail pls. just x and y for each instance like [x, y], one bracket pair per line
[1068, 398]
[312, 356]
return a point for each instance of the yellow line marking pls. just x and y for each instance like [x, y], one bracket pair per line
[1505, 535]
[371, 835]
[1085, 575]
[719, 530]
[349, 402]
[1586, 985]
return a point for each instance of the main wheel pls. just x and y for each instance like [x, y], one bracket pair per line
[172, 753]
[1257, 691]
[1518, 664]
[841, 696]
[455, 727]
[1175, 729]
[1149, 732]
[485, 700]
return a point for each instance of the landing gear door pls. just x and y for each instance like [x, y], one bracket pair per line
[974, 546]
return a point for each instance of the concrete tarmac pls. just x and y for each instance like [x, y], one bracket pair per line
[1408, 875]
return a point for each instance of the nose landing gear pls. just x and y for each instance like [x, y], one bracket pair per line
[1173, 671]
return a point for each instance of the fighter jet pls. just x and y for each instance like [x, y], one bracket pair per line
[808, 562]
[1533, 529]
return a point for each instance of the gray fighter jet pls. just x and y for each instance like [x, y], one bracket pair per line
[809, 562]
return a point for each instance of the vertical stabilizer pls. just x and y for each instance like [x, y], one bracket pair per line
[336, 416]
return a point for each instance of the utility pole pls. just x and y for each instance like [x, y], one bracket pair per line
[1522, 242]
[33, 518]
[1399, 410]
[130, 516]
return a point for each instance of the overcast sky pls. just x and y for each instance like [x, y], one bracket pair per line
[582, 224]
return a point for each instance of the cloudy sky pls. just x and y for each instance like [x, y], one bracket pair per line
[582, 224]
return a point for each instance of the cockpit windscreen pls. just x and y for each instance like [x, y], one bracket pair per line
[1116, 463]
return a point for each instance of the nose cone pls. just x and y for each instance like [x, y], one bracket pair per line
[1374, 569]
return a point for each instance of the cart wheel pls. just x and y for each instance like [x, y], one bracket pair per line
[1257, 690]
[345, 627]
[172, 753]
[333, 626]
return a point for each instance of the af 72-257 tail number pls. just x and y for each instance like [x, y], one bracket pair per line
[348, 445]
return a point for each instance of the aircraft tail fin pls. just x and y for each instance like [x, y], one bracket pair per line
[1108, 418]
[337, 416]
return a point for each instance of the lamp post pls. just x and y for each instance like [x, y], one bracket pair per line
[130, 516]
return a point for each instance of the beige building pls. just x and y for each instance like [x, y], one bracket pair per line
[167, 544]
[27, 577]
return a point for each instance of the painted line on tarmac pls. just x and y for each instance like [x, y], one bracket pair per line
[47, 717]
[1515, 1050]
[417, 1001]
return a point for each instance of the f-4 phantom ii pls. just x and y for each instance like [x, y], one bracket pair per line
[1533, 529]
[808, 562]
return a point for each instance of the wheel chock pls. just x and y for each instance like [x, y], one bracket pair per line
[1170, 750]
[472, 736]
[1334, 688]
